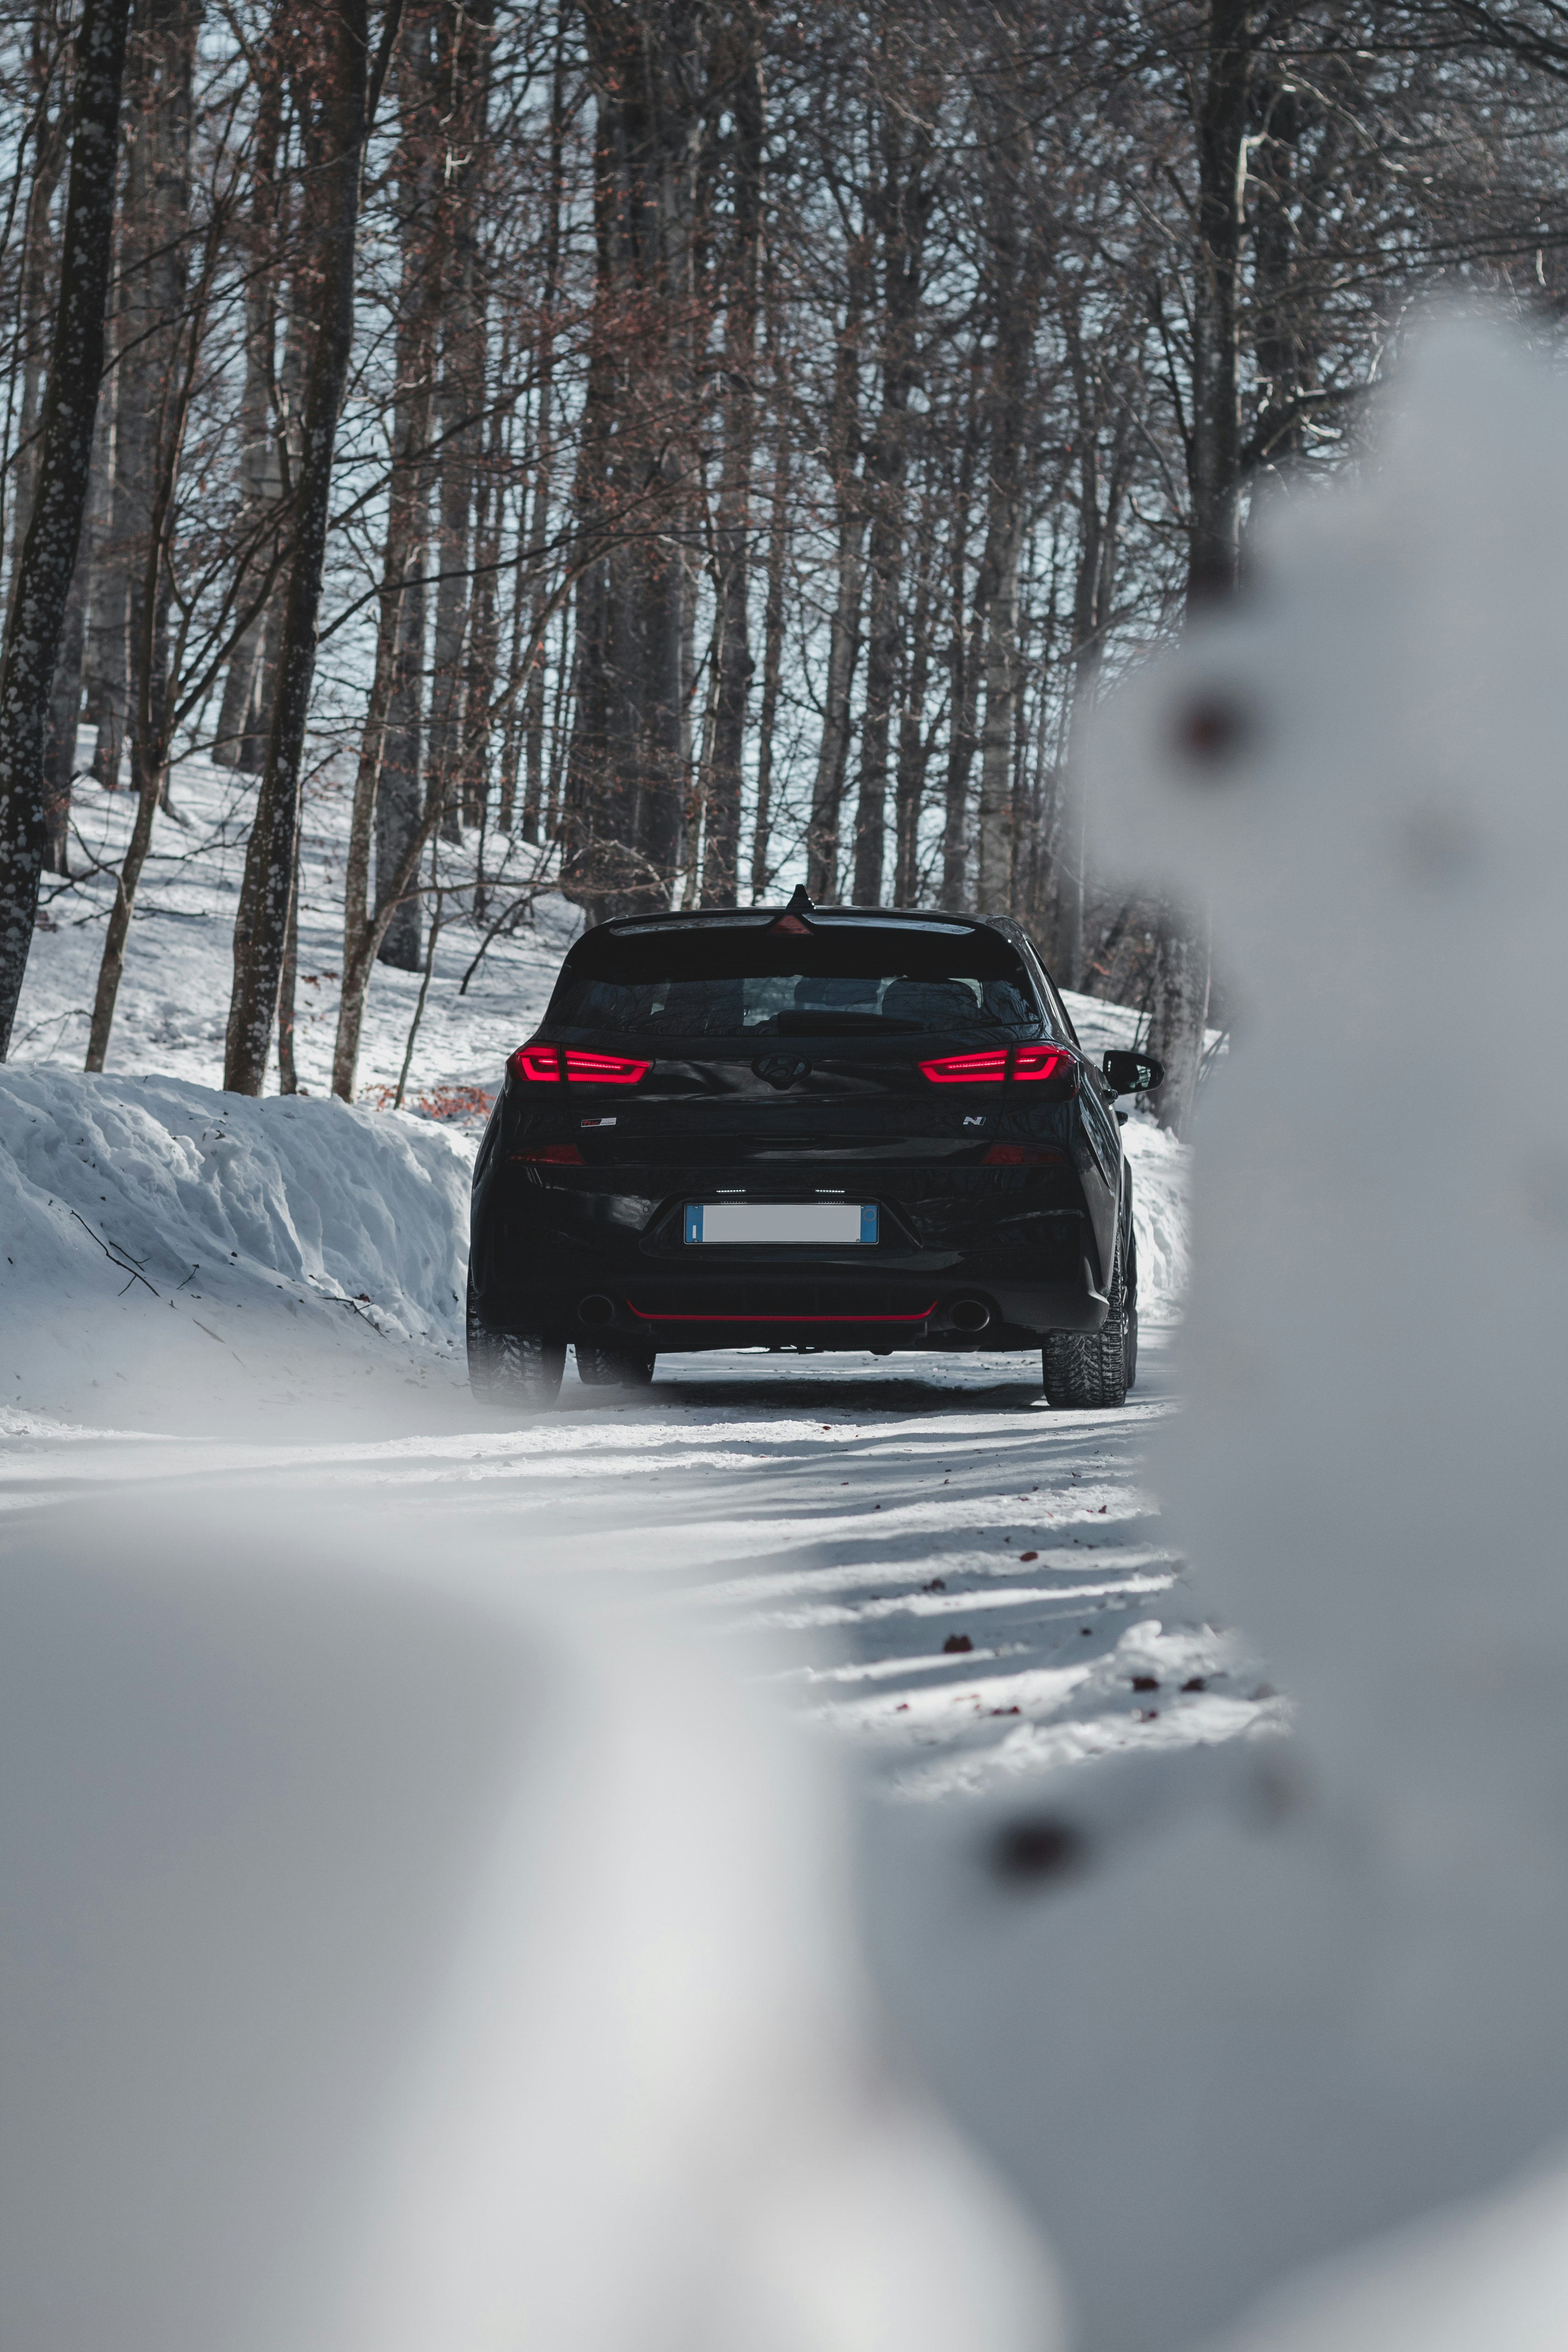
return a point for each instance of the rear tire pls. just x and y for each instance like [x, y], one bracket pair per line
[1089, 1371]
[600, 1366]
[521, 1368]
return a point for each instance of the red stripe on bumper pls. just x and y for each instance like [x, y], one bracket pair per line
[922, 1317]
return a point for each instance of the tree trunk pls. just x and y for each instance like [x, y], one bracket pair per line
[913, 744]
[902, 210]
[42, 583]
[463, 66]
[153, 275]
[772, 615]
[38, 264]
[386, 788]
[60, 744]
[387, 801]
[843, 628]
[64, 697]
[154, 369]
[1282, 343]
[1102, 490]
[994, 860]
[963, 674]
[634, 502]
[1179, 1015]
[333, 86]
[241, 732]
[287, 1075]
[1214, 481]
[532, 716]
[1018, 250]
[483, 631]
[103, 652]
[1214, 464]
[732, 534]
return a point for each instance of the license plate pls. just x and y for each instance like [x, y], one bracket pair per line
[819, 1223]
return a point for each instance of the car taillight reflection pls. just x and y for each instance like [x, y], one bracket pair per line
[989, 1069]
[548, 1065]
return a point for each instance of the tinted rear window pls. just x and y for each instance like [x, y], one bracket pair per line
[849, 983]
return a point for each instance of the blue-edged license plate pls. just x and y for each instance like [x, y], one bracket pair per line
[825, 1224]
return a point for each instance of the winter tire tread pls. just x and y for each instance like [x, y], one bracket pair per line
[602, 1367]
[514, 1368]
[1090, 1371]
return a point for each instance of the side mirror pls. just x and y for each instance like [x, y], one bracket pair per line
[1132, 1074]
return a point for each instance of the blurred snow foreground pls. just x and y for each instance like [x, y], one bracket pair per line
[392, 1968]
[1327, 2000]
[394, 1961]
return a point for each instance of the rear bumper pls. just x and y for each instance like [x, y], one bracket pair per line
[578, 1260]
[756, 1301]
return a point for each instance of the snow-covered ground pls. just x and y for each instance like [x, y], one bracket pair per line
[214, 1309]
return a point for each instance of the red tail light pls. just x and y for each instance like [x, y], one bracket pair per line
[1020, 1155]
[989, 1068]
[552, 1155]
[967, 1069]
[603, 1069]
[1041, 1061]
[548, 1065]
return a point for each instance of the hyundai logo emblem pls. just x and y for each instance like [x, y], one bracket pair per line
[781, 1070]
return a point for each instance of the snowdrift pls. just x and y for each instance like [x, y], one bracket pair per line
[174, 1253]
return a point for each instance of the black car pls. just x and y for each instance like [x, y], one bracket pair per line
[818, 1126]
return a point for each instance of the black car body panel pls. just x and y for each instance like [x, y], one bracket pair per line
[799, 1079]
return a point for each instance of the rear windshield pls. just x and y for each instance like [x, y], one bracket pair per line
[767, 984]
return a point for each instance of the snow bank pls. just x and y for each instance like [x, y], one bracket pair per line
[1161, 1175]
[170, 1251]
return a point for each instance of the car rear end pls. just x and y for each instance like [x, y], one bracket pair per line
[839, 1128]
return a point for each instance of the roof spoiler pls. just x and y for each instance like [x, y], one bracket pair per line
[793, 919]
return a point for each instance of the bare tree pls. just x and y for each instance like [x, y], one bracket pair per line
[739, 74]
[42, 580]
[335, 94]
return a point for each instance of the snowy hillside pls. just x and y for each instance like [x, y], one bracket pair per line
[179, 967]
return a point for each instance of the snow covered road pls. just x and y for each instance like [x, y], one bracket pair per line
[963, 1583]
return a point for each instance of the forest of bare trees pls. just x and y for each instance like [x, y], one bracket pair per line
[677, 449]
